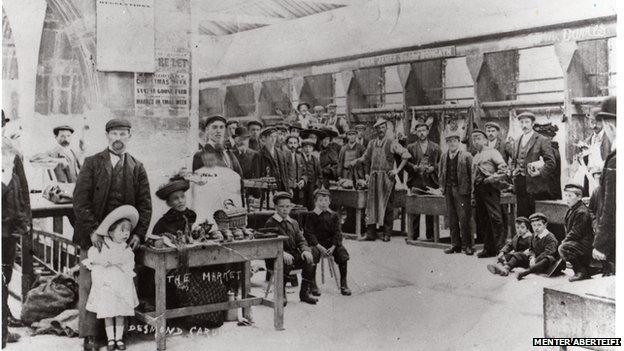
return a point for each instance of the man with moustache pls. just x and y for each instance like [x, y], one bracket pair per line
[69, 165]
[595, 148]
[423, 168]
[106, 181]
[214, 153]
[296, 169]
[379, 155]
[531, 182]
[495, 141]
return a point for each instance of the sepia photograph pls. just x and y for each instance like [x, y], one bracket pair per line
[310, 175]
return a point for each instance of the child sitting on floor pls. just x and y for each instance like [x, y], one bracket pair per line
[515, 252]
[576, 247]
[543, 253]
[113, 295]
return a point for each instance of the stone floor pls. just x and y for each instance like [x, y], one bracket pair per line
[404, 298]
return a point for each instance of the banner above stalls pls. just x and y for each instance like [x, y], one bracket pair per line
[125, 35]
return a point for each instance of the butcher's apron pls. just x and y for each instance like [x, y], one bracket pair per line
[380, 185]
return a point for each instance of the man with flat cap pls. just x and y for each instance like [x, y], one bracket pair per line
[214, 152]
[304, 115]
[69, 165]
[423, 170]
[604, 242]
[336, 121]
[106, 181]
[532, 164]
[456, 185]
[254, 127]
[271, 162]
[380, 154]
[495, 140]
[576, 247]
[489, 173]
[243, 153]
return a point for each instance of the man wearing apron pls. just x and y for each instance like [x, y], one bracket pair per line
[380, 156]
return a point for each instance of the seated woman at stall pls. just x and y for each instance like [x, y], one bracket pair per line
[322, 232]
[543, 255]
[516, 252]
[297, 253]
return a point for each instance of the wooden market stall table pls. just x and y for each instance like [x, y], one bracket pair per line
[435, 205]
[356, 199]
[162, 260]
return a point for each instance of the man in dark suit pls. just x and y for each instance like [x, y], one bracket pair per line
[270, 162]
[456, 184]
[243, 153]
[296, 168]
[214, 153]
[313, 175]
[533, 162]
[423, 170]
[106, 181]
[595, 148]
[231, 126]
[604, 241]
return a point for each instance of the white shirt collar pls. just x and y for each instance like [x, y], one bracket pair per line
[544, 233]
[318, 211]
[598, 137]
[452, 154]
[279, 218]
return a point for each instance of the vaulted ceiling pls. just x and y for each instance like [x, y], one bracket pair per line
[218, 17]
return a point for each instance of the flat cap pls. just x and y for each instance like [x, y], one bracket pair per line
[319, 108]
[56, 130]
[478, 131]
[452, 136]
[309, 142]
[524, 220]
[607, 108]
[421, 124]
[268, 131]
[255, 122]
[205, 122]
[281, 195]
[231, 121]
[117, 123]
[379, 122]
[321, 191]
[575, 188]
[538, 216]
[492, 125]
[241, 132]
[359, 127]
[351, 131]
[331, 105]
[525, 115]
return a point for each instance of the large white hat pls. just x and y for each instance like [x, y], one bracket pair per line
[124, 211]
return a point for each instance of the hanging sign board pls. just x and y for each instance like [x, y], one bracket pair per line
[164, 93]
[125, 35]
[407, 56]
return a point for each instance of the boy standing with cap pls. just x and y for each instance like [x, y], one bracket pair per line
[423, 168]
[531, 183]
[214, 152]
[576, 247]
[106, 181]
[322, 232]
[487, 164]
[379, 155]
[456, 185]
[543, 253]
[297, 253]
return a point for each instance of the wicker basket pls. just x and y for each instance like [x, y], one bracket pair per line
[230, 216]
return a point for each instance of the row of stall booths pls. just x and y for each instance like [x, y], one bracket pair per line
[558, 68]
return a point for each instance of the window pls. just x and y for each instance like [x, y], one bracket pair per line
[392, 92]
[540, 74]
[239, 100]
[612, 63]
[457, 85]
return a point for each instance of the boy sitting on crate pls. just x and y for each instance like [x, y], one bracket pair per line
[322, 232]
[297, 253]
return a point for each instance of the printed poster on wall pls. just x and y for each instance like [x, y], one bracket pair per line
[164, 93]
[125, 35]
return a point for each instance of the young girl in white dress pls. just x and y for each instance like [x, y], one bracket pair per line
[113, 295]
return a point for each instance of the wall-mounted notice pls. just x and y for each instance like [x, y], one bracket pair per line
[125, 35]
[164, 93]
